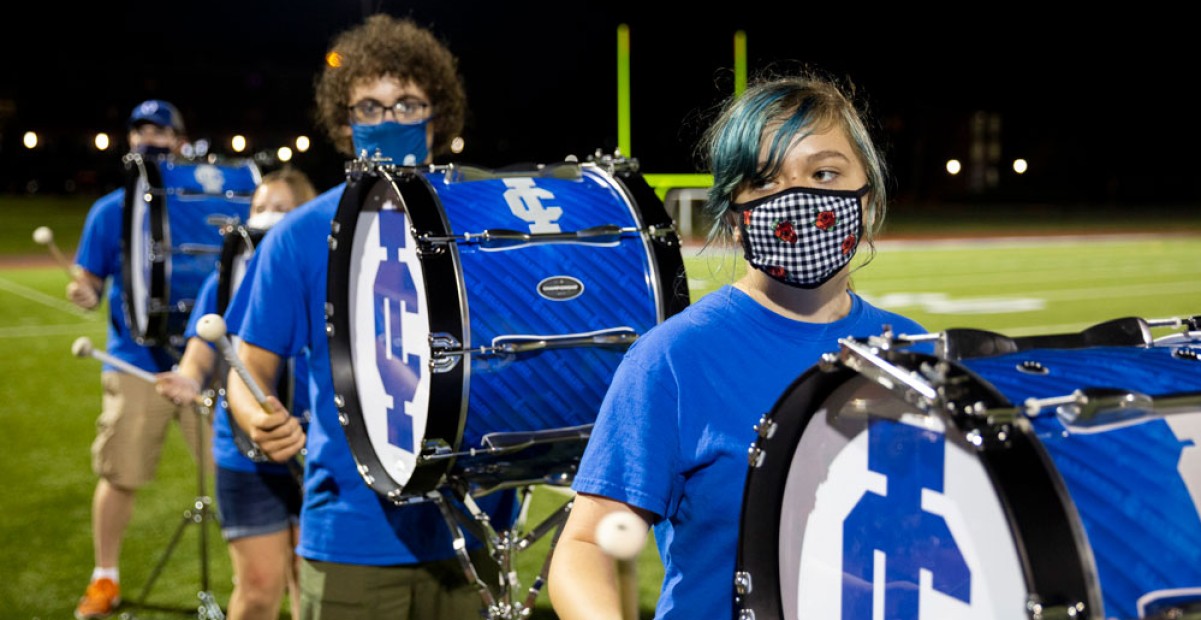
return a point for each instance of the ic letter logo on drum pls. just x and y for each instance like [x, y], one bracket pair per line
[210, 178]
[525, 201]
[396, 307]
[910, 538]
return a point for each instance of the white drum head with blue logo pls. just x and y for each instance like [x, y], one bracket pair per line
[878, 537]
[390, 337]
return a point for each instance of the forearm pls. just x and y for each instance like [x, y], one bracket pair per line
[583, 582]
[198, 361]
[263, 366]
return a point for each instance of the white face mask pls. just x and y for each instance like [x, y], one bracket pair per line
[264, 219]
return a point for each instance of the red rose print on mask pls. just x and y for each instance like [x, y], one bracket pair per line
[785, 232]
[848, 244]
[776, 271]
[826, 220]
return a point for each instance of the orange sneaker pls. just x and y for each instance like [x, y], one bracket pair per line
[100, 599]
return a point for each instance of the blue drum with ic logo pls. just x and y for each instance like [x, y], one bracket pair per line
[476, 316]
[1037, 477]
[173, 215]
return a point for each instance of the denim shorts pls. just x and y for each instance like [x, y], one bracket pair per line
[253, 504]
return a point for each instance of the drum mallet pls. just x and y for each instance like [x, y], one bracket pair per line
[82, 347]
[212, 328]
[621, 535]
[42, 235]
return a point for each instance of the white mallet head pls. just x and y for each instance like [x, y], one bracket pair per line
[82, 347]
[211, 327]
[42, 235]
[621, 534]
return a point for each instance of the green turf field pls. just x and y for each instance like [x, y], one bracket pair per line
[1015, 286]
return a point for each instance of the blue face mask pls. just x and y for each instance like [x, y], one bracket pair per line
[151, 150]
[403, 144]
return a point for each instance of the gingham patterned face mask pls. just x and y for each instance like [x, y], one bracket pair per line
[802, 236]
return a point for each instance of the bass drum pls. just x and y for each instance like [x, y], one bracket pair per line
[1037, 483]
[173, 213]
[477, 316]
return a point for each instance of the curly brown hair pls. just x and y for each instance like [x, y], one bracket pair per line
[387, 46]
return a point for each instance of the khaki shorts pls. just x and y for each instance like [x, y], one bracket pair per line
[431, 591]
[132, 427]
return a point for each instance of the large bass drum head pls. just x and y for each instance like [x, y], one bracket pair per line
[861, 506]
[386, 330]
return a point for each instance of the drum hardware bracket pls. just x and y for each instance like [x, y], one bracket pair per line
[1096, 406]
[501, 546]
[1038, 611]
[446, 350]
[864, 359]
[504, 239]
[743, 583]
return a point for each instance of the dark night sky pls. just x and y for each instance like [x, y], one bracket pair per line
[1100, 104]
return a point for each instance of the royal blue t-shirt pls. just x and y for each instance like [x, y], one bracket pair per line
[675, 425]
[280, 307]
[226, 452]
[99, 252]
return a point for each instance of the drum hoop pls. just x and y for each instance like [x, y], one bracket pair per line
[155, 330]
[666, 261]
[1049, 536]
[447, 314]
[236, 240]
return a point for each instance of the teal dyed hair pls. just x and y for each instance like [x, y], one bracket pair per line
[783, 110]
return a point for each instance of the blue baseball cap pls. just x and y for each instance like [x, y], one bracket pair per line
[159, 112]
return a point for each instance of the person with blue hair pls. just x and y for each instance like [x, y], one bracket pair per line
[799, 184]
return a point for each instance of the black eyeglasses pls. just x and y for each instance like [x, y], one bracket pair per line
[372, 112]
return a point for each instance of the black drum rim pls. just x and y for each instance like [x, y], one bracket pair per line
[447, 315]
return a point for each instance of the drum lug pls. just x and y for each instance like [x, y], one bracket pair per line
[1037, 611]
[746, 614]
[742, 583]
[766, 428]
[434, 449]
[445, 352]
[755, 456]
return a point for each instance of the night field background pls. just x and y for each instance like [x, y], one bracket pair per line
[1020, 270]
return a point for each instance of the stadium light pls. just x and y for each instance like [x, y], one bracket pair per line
[302, 144]
[284, 153]
[30, 140]
[238, 143]
[1020, 166]
[953, 167]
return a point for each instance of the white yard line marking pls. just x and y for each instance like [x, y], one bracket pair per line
[46, 300]
[32, 331]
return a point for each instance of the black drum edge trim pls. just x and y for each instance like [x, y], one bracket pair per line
[1051, 542]
[1050, 539]
[669, 262]
[766, 495]
[136, 168]
[371, 469]
[441, 271]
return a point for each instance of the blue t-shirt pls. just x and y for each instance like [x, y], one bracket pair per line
[675, 425]
[280, 307]
[226, 452]
[99, 252]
